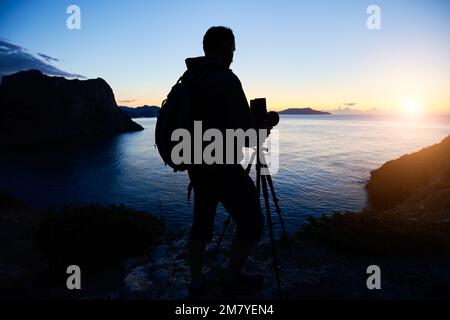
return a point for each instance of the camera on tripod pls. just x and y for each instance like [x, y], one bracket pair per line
[263, 119]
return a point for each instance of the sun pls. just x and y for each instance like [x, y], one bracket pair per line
[411, 107]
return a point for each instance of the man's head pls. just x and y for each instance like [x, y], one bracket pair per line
[218, 42]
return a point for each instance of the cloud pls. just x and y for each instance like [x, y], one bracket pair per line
[14, 58]
[48, 58]
[127, 101]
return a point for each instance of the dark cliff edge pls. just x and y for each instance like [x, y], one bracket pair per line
[37, 109]
[405, 229]
[421, 178]
[303, 111]
[141, 112]
[408, 211]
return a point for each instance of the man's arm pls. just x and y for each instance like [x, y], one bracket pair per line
[238, 115]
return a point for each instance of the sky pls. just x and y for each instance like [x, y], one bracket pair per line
[317, 54]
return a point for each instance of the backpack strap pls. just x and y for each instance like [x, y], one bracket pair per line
[193, 83]
[190, 186]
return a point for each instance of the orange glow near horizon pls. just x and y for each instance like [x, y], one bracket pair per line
[410, 107]
[391, 94]
[409, 94]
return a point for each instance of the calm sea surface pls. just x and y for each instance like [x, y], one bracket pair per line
[324, 163]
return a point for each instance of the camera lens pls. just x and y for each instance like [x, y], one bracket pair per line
[272, 118]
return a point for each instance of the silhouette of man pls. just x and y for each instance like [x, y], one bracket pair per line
[219, 102]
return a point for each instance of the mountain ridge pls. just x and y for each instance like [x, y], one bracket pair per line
[39, 109]
[303, 111]
[144, 111]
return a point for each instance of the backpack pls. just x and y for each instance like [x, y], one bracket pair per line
[176, 112]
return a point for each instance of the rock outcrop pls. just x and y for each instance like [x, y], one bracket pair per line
[420, 179]
[38, 109]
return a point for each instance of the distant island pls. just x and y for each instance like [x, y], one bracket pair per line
[303, 111]
[39, 109]
[141, 112]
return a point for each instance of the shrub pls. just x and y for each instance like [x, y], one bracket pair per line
[96, 234]
[378, 233]
[8, 200]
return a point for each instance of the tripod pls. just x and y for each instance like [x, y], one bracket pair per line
[264, 180]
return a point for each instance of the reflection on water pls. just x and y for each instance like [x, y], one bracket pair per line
[324, 164]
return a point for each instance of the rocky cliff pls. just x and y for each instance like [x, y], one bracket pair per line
[415, 182]
[37, 109]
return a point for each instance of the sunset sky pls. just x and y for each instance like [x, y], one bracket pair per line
[316, 54]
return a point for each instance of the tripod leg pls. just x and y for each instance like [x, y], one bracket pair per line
[258, 168]
[247, 170]
[272, 240]
[227, 223]
[277, 207]
[258, 180]
[249, 166]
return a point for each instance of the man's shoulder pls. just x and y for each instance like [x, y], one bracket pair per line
[228, 77]
[233, 76]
